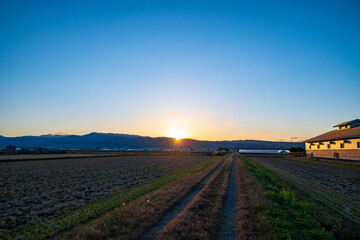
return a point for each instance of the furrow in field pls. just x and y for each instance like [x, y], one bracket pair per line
[154, 232]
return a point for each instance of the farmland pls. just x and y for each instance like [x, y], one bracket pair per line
[34, 191]
[344, 180]
[286, 196]
[24, 157]
[179, 196]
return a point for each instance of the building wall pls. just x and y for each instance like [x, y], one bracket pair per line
[350, 151]
[348, 144]
[351, 154]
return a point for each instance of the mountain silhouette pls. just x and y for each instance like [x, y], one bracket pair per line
[124, 141]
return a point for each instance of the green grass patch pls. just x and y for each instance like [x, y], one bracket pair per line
[290, 217]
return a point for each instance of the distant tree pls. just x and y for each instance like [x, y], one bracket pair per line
[223, 149]
[297, 150]
[11, 149]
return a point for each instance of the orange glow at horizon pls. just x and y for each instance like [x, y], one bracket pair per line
[177, 133]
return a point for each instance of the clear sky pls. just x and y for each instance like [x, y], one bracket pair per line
[266, 70]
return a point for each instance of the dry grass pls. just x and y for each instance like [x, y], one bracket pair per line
[200, 219]
[131, 220]
[244, 219]
[252, 207]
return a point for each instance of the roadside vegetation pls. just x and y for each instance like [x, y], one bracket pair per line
[278, 212]
[343, 182]
[200, 219]
[336, 210]
[248, 194]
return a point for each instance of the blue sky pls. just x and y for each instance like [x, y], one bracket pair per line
[216, 69]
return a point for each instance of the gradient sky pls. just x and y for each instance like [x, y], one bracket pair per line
[266, 70]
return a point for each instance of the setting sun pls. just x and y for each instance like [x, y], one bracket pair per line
[177, 133]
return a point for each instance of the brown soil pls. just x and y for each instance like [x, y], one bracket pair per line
[133, 219]
[32, 191]
[200, 219]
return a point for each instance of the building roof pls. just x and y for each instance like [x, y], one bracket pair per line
[353, 132]
[347, 123]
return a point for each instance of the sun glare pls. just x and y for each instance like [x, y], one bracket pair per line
[177, 133]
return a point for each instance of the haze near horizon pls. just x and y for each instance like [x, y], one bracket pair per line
[217, 71]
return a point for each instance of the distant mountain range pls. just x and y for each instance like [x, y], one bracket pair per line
[123, 141]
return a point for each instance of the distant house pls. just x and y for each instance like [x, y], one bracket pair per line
[343, 143]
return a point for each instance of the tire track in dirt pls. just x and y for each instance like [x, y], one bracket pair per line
[244, 221]
[227, 230]
[154, 232]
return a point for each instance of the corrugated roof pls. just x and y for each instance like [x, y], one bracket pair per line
[347, 123]
[337, 135]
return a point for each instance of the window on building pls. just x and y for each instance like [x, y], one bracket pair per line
[358, 144]
[329, 145]
[341, 145]
[319, 146]
[310, 146]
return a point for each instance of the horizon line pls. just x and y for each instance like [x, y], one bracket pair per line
[64, 135]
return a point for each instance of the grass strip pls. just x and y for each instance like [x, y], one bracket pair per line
[260, 225]
[287, 216]
[244, 218]
[68, 219]
[200, 219]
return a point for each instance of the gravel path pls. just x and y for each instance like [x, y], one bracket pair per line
[341, 179]
[227, 230]
[154, 232]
